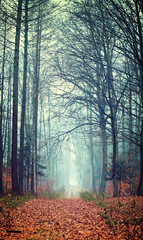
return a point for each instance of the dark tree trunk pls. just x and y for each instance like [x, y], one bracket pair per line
[140, 30]
[23, 103]
[28, 131]
[35, 108]
[140, 186]
[104, 160]
[1, 114]
[15, 102]
[1, 151]
[114, 160]
[93, 187]
[102, 119]
[9, 128]
[112, 106]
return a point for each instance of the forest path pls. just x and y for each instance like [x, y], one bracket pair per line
[65, 219]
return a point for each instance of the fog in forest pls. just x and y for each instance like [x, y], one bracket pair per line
[71, 97]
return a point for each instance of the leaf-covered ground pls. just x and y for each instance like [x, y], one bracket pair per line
[114, 218]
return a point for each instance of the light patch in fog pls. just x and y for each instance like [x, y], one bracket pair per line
[73, 167]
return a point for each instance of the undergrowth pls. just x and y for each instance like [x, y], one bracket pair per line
[89, 196]
[116, 215]
[9, 202]
[13, 201]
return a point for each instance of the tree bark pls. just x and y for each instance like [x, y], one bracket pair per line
[104, 160]
[35, 108]
[140, 186]
[15, 102]
[112, 105]
[1, 114]
[23, 102]
[9, 128]
[140, 30]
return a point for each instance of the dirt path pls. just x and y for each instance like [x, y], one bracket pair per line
[64, 219]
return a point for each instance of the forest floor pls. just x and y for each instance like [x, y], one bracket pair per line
[112, 218]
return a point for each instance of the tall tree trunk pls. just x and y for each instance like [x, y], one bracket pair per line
[115, 157]
[123, 127]
[140, 30]
[108, 54]
[92, 175]
[49, 133]
[15, 102]
[28, 137]
[9, 127]
[112, 106]
[101, 106]
[35, 108]
[45, 137]
[1, 149]
[130, 160]
[140, 186]
[28, 130]
[1, 114]
[104, 160]
[23, 102]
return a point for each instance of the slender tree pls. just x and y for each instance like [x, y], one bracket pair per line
[23, 102]
[15, 101]
[1, 110]
[35, 106]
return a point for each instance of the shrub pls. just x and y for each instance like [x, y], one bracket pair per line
[87, 196]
